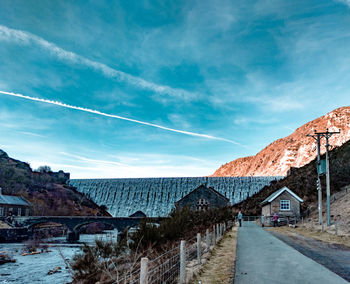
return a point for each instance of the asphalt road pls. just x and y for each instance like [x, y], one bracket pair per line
[333, 256]
[262, 258]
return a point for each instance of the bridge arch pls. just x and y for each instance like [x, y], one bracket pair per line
[74, 223]
[78, 227]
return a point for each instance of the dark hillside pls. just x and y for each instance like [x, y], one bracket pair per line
[303, 182]
[47, 191]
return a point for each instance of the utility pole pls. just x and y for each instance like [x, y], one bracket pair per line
[317, 137]
[327, 135]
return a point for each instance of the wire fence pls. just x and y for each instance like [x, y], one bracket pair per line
[170, 267]
[130, 278]
[167, 272]
[250, 218]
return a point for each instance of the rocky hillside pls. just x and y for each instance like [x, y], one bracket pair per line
[295, 150]
[47, 191]
[340, 210]
[303, 182]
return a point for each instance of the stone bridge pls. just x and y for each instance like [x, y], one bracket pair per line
[75, 223]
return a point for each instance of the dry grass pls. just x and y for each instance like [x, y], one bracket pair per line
[3, 225]
[313, 233]
[219, 269]
[340, 213]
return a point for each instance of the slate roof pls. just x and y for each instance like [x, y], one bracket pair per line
[13, 200]
[206, 188]
[138, 213]
[278, 193]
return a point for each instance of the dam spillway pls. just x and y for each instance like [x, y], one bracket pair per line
[156, 196]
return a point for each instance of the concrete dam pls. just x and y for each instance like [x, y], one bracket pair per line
[156, 196]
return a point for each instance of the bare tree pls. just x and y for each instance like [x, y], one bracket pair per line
[44, 169]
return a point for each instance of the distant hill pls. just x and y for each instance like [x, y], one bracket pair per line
[47, 191]
[295, 150]
[303, 182]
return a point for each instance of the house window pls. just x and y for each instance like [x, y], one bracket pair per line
[202, 204]
[19, 211]
[285, 205]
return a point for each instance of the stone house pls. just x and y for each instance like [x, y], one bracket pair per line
[14, 205]
[203, 198]
[284, 202]
[138, 214]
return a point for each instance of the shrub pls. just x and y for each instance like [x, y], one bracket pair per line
[106, 261]
[182, 223]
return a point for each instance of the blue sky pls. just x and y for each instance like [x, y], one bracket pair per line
[229, 76]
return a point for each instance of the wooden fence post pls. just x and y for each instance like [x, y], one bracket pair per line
[199, 248]
[182, 262]
[207, 240]
[214, 236]
[144, 271]
[336, 228]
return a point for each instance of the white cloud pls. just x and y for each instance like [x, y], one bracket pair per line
[141, 166]
[118, 117]
[243, 120]
[178, 120]
[346, 2]
[31, 134]
[21, 122]
[132, 165]
[277, 103]
[101, 162]
[23, 37]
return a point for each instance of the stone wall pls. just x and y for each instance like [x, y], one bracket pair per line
[13, 234]
[266, 210]
[294, 205]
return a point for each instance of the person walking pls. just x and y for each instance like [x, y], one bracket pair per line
[240, 216]
[275, 220]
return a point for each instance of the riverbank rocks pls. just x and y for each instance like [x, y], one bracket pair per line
[5, 258]
[55, 270]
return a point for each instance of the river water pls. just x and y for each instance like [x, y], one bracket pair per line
[35, 268]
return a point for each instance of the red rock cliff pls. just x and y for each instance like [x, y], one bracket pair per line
[295, 150]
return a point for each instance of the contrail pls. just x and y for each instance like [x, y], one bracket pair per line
[117, 117]
[23, 37]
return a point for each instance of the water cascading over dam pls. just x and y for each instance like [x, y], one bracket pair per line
[156, 196]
